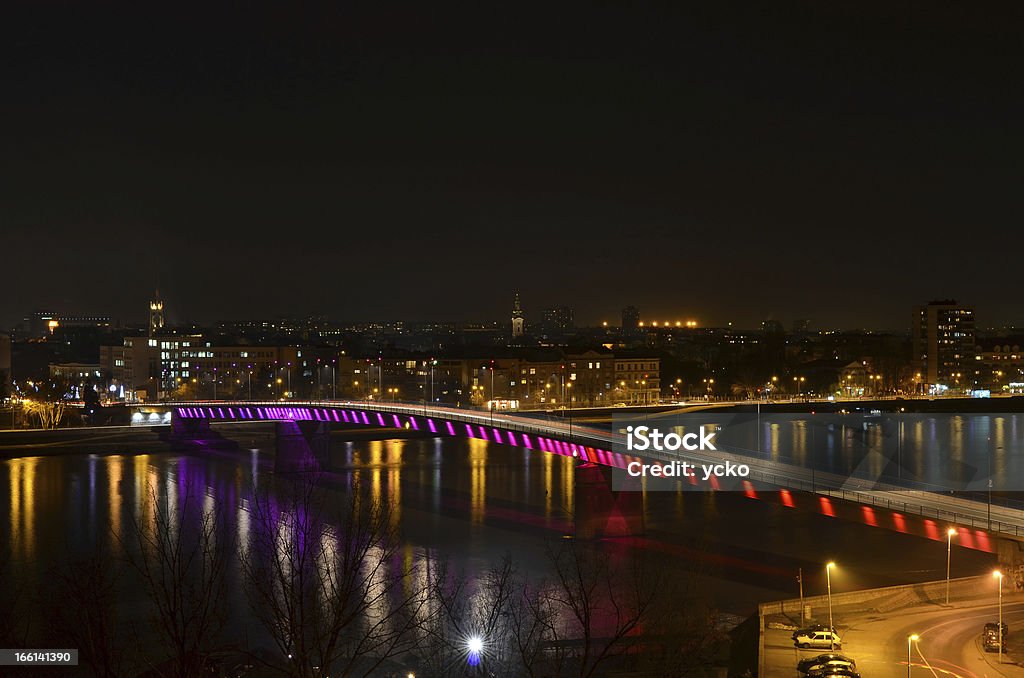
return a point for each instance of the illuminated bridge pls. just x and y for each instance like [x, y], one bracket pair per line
[303, 427]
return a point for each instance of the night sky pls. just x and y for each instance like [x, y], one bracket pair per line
[839, 161]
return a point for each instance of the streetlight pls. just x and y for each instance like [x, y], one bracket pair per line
[831, 626]
[433, 364]
[999, 575]
[950, 533]
[569, 405]
[475, 647]
[912, 638]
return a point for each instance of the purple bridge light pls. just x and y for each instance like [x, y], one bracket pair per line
[499, 431]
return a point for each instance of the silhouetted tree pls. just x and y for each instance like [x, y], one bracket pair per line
[80, 612]
[329, 584]
[180, 555]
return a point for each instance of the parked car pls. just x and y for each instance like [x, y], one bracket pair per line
[990, 637]
[833, 672]
[824, 639]
[826, 660]
[810, 629]
[993, 628]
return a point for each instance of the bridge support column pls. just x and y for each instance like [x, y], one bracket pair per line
[302, 446]
[195, 436]
[1011, 563]
[190, 429]
[604, 512]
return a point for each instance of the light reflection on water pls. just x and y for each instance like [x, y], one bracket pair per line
[941, 451]
[467, 500]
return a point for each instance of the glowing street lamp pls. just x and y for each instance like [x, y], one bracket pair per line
[999, 575]
[912, 638]
[831, 626]
[950, 533]
[475, 647]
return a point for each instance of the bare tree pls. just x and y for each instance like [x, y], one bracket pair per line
[535, 630]
[471, 626]
[330, 585]
[599, 605]
[15, 624]
[81, 613]
[46, 401]
[595, 612]
[181, 555]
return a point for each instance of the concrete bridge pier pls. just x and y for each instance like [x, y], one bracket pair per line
[190, 429]
[602, 511]
[302, 446]
[195, 435]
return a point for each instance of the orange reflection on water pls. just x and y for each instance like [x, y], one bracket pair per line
[23, 505]
[115, 476]
[477, 480]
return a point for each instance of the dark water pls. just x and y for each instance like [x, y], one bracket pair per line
[926, 451]
[465, 500]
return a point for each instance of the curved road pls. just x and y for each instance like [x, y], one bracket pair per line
[949, 645]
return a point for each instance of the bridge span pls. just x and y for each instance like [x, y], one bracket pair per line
[302, 427]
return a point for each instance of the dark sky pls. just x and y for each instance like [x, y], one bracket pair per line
[840, 161]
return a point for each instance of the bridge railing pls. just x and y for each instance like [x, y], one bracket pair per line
[545, 427]
[891, 500]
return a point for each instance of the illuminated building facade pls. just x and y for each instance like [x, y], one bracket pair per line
[943, 337]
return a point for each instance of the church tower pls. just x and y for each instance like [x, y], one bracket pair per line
[156, 315]
[518, 324]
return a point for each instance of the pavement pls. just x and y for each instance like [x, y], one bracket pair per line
[949, 644]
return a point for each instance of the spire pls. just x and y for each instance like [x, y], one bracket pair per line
[518, 324]
[156, 314]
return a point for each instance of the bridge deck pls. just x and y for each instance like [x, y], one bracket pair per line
[599, 446]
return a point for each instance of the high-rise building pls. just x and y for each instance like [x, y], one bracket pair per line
[156, 315]
[944, 344]
[518, 322]
[630, 319]
[557, 320]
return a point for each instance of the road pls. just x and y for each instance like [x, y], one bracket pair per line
[949, 644]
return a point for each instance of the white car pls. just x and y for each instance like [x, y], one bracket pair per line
[826, 639]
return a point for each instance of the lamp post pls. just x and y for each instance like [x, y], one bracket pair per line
[433, 363]
[569, 406]
[950, 533]
[999, 575]
[800, 580]
[249, 374]
[831, 626]
[912, 638]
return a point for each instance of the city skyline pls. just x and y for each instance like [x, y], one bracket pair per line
[535, 318]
